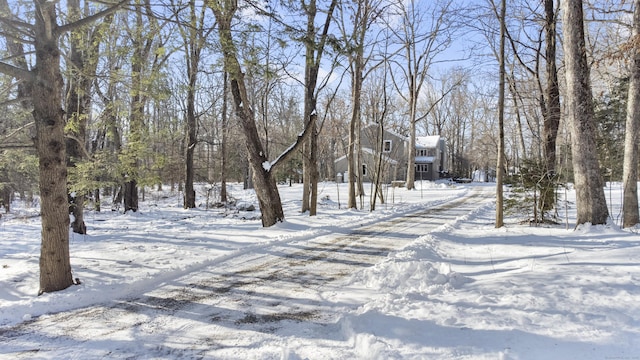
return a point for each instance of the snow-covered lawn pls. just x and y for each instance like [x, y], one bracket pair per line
[464, 290]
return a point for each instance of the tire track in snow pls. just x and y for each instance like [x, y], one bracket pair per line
[254, 291]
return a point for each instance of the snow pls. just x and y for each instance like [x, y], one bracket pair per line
[427, 141]
[425, 159]
[441, 285]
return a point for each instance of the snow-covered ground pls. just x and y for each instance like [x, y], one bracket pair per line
[460, 289]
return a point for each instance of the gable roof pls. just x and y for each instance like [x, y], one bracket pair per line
[372, 124]
[371, 152]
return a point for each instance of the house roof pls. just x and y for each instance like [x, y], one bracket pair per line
[371, 152]
[372, 124]
[425, 159]
[427, 141]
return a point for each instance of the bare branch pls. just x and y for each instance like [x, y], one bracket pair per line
[13, 101]
[10, 135]
[16, 72]
[89, 19]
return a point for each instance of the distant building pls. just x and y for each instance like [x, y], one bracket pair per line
[430, 159]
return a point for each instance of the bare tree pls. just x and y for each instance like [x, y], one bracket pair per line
[630, 169]
[314, 49]
[500, 167]
[426, 30]
[147, 58]
[356, 19]
[552, 110]
[264, 181]
[194, 36]
[590, 199]
[82, 64]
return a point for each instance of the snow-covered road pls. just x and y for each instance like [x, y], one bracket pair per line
[283, 292]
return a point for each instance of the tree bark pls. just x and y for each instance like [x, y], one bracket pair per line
[192, 37]
[501, 158]
[353, 153]
[552, 110]
[141, 48]
[630, 214]
[189, 192]
[314, 52]
[83, 61]
[265, 185]
[351, 156]
[310, 148]
[223, 144]
[55, 265]
[590, 200]
[78, 98]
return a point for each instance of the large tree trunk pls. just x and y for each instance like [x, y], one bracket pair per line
[313, 56]
[265, 185]
[590, 199]
[310, 164]
[310, 148]
[630, 216]
[552, 110]
[130, 194]
[189, 192]
[55, 265]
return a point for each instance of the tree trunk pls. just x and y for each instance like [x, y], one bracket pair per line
[55, 265]
[193, 41]
[313, 174]
[552, 109]
[5, 198]
[189, 192]
[130, 194]
[501, 94]
[590, 199]
[265, 185]
[411, 154]
[313, 56]
[356, 63]
[351, 158]
[630, 216]
[83, 62]
[223, 144]
[141, 48]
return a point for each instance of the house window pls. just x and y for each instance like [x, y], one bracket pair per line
[422, 168]
[386, 147]
[364, 169]
[421, 152]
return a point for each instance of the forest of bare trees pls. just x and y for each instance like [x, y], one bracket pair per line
[102, 99]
